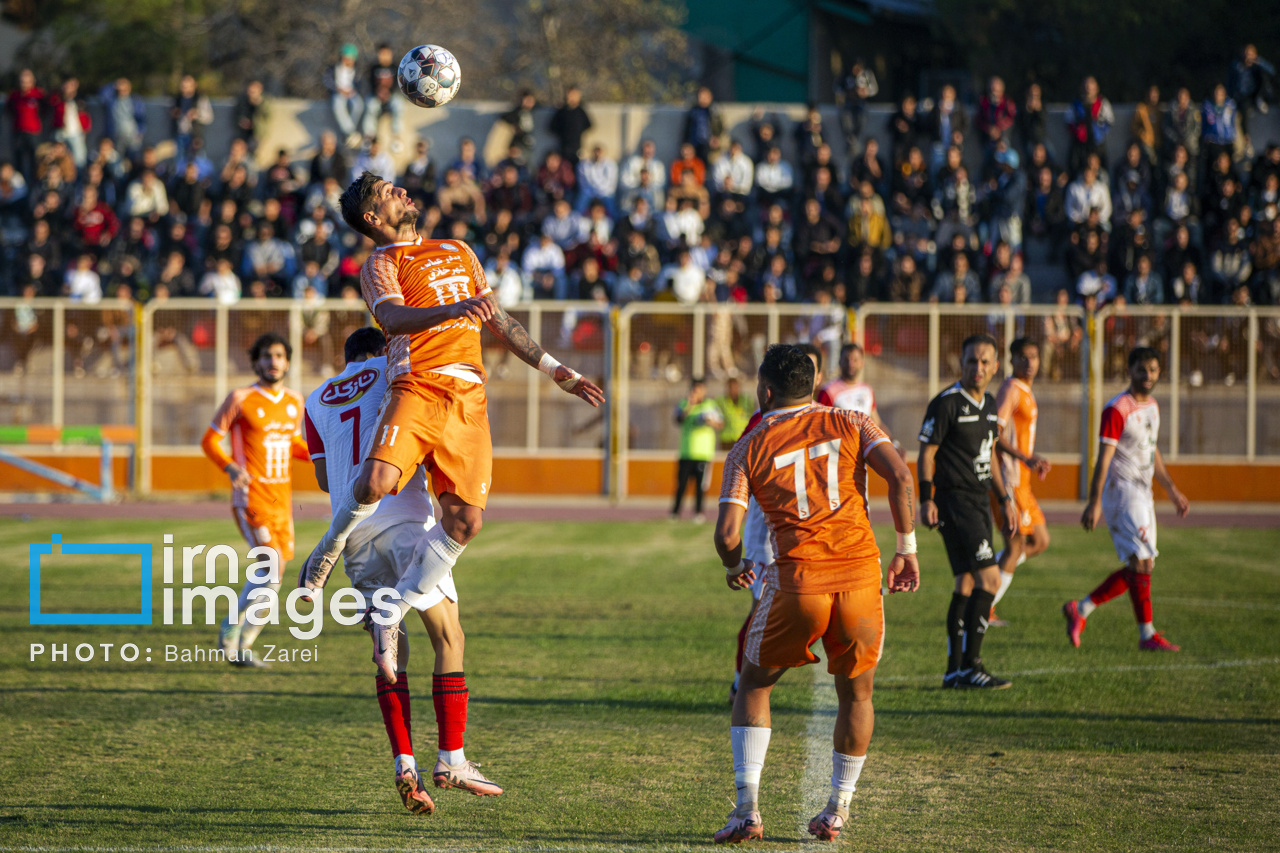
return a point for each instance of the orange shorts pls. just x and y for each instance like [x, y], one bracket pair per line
[274, 529]
[850, 624]
[442, 423]
[1029, 513]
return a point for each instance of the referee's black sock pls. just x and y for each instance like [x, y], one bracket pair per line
[975, 625]
[955, 631]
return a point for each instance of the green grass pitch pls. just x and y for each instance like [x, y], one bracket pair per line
[599, 658]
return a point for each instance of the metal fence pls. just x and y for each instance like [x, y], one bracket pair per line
[165, 368]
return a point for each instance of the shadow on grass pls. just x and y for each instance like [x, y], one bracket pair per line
[1081, 716]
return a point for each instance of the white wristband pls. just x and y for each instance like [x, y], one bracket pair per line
[548, 365]
[906, 543]
[736, 570]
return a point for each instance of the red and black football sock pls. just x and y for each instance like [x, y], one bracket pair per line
[1140, 595]
[393, 699]
[1115, 584]
[449, 693]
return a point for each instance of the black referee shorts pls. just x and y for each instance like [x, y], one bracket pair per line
[964, 520]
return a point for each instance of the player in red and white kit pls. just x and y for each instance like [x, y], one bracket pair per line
[341, 420]
[1127, 460]
[849, 391]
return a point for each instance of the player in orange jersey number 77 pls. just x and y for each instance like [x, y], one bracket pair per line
[806, 466]
[431, 298]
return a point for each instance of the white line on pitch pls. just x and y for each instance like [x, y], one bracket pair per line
[815, 784]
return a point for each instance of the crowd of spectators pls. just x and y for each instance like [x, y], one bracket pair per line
[1184, 213]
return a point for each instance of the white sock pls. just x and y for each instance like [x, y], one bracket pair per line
[345, 518]
[1146, 631]
[1006, 578]
[405, 762]
[750, 743]
[438, 557]
[452, 757]
[845, 770]
[1022, 558]
[1086, 606]
[251, 590]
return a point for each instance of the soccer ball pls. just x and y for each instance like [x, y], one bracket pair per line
[429, 76]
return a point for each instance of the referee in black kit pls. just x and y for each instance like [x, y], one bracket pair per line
[957, 440]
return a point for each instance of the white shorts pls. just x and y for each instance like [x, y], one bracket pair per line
[1130, 511]
[757, 544]
[381, 561]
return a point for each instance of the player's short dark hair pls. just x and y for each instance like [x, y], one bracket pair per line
[267, 340]
[363, 343]
[1020, 344]
[813, 352]
[788, 370]
[695, 381]
[357, 200]
[980, 338]
[1141, 355]
[850, 347]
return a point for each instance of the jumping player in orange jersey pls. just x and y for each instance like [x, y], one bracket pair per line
[431, 298]
[1016, 415]
[264, 422]
[806, 465]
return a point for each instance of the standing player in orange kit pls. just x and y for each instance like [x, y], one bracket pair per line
[1016, 415]
[264, 422]
[807, 465]
[430, 297]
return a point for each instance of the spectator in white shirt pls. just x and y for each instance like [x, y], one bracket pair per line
[375, 161]
[686, 278]
[543, 263]
[597, 181]
[1086, 193]
[82, 283]
[505, 279]
[147, 197]
[733, 173]
[221, 283]
[774, 179]
[646, 162]
[346, 103]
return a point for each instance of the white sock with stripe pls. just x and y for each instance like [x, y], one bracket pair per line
[1006, 580]
[750, 744]
[345, 518]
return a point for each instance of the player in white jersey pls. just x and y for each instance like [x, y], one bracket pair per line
[341, 418]
[1128, 458]
[849, 391]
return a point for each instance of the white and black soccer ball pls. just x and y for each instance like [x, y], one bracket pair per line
[429, 75]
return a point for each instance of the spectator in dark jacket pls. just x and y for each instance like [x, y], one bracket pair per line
[996, 113]
[249, 114]
[703, 125]
[126, 117]
[1250, 84]
[521, 120]
[569, 123]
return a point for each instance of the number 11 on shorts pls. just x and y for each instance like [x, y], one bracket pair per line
[395, 430]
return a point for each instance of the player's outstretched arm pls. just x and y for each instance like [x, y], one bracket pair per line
[904, 570]
[925, 465]
[516, 338]
[1093, 509]
[1180, 502]
[739, 573]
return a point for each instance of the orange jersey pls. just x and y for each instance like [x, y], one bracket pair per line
[426, 274]
[806, 467]
[1023, 416]
[264, 429]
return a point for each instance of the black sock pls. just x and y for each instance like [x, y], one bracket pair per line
[975, 625]
[955, 630]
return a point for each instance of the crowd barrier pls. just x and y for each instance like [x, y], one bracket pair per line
[163, 368]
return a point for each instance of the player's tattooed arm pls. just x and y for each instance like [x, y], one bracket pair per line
[513, 335]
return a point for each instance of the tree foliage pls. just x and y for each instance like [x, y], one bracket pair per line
[613, 49]
[1127, 44]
